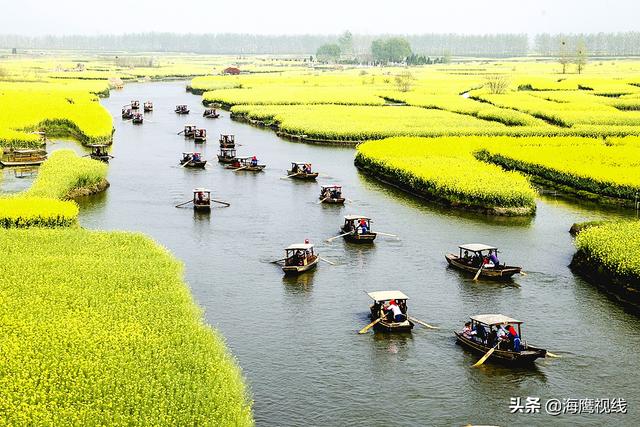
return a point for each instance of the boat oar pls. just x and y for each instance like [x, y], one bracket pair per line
[322, 200]
[423, 323]
[549, 354]
[478, 273]
[185, 163]
[221, 202]
[240, 168]
[182, 204]
[326, 260]
[385, 234]
[290, 176]
[180, 132]
[369, 326]
[485, 357]
[278, 260]
[330, 239]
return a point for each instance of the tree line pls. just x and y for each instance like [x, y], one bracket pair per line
[424, 45]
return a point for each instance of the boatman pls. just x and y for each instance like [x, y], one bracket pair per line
[363, 226]
[254, 161]
[397, 313]
[493, 257]
[514, 337]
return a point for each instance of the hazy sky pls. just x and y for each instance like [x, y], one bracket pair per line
[39, 17]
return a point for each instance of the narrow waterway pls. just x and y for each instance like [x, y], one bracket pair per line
[296, 339]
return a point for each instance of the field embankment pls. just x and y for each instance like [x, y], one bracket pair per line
[608, 256]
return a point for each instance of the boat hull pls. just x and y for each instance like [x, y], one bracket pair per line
[302, 176]
[100, 158]
[223, 159]
[501, 273]
[359, 238]
[247, 168]
[202, 208]
[299, 269]
[182, 112]
[199, 139]
[195, 165]
[509, 358]
[390, 326]
[338, 201]
[7, 164]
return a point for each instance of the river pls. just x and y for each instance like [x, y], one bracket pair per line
[296, 339]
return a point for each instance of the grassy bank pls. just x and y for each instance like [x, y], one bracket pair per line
[98, 328]
[447, 172]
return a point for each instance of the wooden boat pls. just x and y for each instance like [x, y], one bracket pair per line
[481, 343]
[227, 141]
[137, 118]
[127, 113]
[382, 299]
[182, 109]
[201, 199]
[299, 258]
[211, 113]
[192, 160]
[471, 256]
[135, 105]
[23, 158]
[301, 170]
[189, 131]
[227, 155]
[331, 194]
[353, 224]
[246, 164]
[200, 135]
[99, 152]
[148, 106]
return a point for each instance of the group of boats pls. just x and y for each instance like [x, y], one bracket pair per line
[132, 112]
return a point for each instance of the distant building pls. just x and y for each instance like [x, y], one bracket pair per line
[234, 71]
[14, 51]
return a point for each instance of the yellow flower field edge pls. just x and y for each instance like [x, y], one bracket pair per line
[68, 109]
[447, 172]
[600, 170]
[608, 256]
[65, 175]
[99, 328]
[16, 212]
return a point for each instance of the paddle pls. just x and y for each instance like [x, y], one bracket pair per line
[485, 357]
[290, 176]
[240, 168]
[221, 202]
[369, 326]
[325, 260]
[549, 354]
[278, 260]
[185, 163]
[322, 200]
[182, 131]
[385, 234]
[330, 239]
[182, 204]
[422, 323]
[478, 273]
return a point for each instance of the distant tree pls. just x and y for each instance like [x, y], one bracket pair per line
[328, 52]
[446, 58]
[581, 57]
[497, 83]
[404, 81]
[563, 56]
[345, 41]
[395, 49]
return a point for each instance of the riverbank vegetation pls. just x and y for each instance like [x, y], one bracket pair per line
[445, 170]
[100, 328]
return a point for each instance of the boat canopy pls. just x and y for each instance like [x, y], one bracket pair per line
[355, 217]
[493, 319]
[27, 151]
[201, 190]
[97, 145]
[300, 246]
[300, 163]
[476, 247]
[387, 295]
[331, 186]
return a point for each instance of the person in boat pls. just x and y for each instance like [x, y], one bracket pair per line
[514, 338]
[468, 331]
[306, 168]
[200, 197]
[254, 161]
[363, 226]
[466, 258]
[502, 335]
[348, 227]
[493, 257]
[294, 168]
[196, 157]
[394, 309]
[480, 333]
